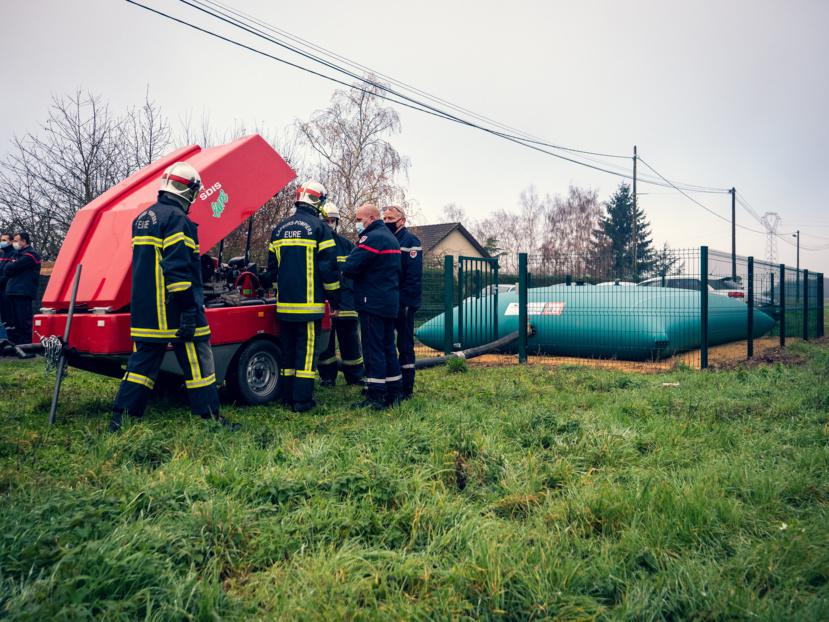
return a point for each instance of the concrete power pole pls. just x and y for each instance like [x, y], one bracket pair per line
[635, 218]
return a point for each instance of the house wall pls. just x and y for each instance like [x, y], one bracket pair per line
[454, 244]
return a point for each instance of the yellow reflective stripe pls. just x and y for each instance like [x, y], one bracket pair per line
[160, 306]
[309, 351]
[341, 258]
[300, 307]
[179, 237]
[358, 361]
[178, 286]
[139, 379]
[202, 382]
[146, 240]
[343, 314]
[294, 242]
[193, 359]
[272, 247]
[330, 287]
[305, 374]
[325, 244]
[201, 331]
[287, 372]
[309, 275]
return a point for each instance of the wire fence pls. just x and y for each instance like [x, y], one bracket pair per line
[689, 307]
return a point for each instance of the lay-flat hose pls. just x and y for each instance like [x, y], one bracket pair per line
[468, 353]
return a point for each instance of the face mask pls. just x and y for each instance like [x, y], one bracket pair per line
[17, 246]
[359, 226]
[392, 226]
[4, 244]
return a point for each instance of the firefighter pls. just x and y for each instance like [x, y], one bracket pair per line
[22, 276]
[375, 267]
[168, 302]
[411, 255]
[345, 325]
[302, 263]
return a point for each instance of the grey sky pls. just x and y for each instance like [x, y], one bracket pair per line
[713, 92]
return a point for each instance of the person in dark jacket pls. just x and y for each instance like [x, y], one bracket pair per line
[22, 276]
[411, 276]
[345, 325]
[374, 264]
[6, 252]
[302, 263]
[167, 303]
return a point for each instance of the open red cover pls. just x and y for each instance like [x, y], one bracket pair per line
[237, 179]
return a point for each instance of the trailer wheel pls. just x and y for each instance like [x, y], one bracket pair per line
[255, 375]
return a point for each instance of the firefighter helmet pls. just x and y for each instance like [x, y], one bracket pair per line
[182, 180]
[331, 210]
[312, 193]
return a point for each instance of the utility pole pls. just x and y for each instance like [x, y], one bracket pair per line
[733, 192]
[797, 271]
[635, 216]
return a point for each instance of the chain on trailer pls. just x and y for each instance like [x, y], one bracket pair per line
[52, 350]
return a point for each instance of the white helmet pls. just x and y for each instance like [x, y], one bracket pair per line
[182, 180]
[312, 193]
[331, 210]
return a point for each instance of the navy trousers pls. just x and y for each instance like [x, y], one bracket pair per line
[383, 377]
[404, 325]
[298, 342]
[351, 356]
[196, 360]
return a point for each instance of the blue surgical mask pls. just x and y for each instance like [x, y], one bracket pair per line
[4, 244]
[359, 226]
[17, 246]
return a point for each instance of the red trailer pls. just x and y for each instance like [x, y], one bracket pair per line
[237, 179]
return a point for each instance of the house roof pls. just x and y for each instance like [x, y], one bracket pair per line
[431, 235]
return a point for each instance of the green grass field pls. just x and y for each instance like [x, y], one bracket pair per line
[520, 493]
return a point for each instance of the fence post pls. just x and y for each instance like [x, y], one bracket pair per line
[805, 305]
[771, 275]
[703, 307]
[750, 302]
[448, 302]
[461, 294]
[495, 334]
[820, 305]
[522, 307]
[782, 305]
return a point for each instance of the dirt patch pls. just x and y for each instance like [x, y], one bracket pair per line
[767, 350]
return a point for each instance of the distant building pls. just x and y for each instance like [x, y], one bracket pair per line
[449, 238]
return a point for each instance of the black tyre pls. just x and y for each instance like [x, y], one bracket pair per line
[255, 374]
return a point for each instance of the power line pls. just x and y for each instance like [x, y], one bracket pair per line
[692, 199]
[414, 104]
[526, 138]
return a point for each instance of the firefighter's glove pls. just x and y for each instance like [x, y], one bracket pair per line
[187, 324]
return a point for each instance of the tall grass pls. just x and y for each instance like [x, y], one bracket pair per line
[503, 494]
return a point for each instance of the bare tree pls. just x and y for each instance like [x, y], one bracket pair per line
[569, 223]
[147, 132]
[454, 213]
[77, 154]
[354, 159]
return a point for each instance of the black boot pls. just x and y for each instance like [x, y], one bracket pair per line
[217, 418]
[301, 407]
[115, 422]
[373, 400]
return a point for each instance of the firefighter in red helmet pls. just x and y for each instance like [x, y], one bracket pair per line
[302, 263]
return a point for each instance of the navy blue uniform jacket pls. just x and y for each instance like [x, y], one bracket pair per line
[374, 264]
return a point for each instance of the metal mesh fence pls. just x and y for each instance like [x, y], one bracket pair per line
[604, 310]
[432, 300]
[680, 307]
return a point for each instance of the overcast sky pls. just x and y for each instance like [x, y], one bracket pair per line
[717, 93]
